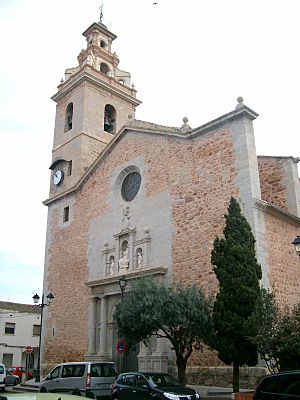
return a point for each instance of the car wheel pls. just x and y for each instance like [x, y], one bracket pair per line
[43, 390]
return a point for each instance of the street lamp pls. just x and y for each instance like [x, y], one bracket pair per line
[296, 243]
[122, 284]
[36, 299]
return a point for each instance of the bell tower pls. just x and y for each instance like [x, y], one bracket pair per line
[93, 101]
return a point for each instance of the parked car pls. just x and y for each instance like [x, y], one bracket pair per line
[283, 385]
[12, 379]
[149, 385]
[19, 371]
[87, 378]
[2, 377]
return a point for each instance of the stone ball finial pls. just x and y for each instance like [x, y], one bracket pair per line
[105, 243]
[240, 101]
[185, 128]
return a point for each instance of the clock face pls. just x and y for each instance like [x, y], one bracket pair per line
[131, 186]
[58, 177]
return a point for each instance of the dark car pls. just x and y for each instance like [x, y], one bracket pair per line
[283, 385]
[150, 385]
[11, 379]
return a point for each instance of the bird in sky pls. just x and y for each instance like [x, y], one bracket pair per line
[155, 4]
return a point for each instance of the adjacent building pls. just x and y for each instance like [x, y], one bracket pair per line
[19, 334]
[130, 198]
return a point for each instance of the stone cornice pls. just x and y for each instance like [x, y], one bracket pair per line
[294, 159]
[102, 28]
[131, 274]
[277, 212]
[242, 111]
[83, 75]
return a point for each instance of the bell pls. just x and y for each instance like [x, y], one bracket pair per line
[107, 125]
[69, 121]
[106, 121]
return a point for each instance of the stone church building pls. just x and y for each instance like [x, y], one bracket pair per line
[130, 198]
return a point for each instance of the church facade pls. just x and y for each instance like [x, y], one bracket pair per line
[130, 198]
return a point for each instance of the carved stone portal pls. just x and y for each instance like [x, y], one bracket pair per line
[127, 252]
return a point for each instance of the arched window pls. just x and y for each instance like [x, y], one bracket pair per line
[109, 119]
[102, 44]
[69, 117]
[104, 68]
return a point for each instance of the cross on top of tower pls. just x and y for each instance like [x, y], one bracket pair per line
[101, 13]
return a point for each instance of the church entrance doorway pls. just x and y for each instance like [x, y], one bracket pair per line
[127, 360]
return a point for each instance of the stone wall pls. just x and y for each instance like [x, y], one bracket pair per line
[222, 376]
[66, 319]
[273, 187]
[201, 183]
[280, 182]
[282, 259]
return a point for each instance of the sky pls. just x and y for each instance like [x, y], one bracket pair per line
[189, 58]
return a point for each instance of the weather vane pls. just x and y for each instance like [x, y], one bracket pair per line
[101, 13]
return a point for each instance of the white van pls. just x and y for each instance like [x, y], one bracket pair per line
[2, 377]
[88, 378]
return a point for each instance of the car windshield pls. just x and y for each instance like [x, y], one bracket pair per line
[160, 380]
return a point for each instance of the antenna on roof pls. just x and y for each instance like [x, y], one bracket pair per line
[101, 13]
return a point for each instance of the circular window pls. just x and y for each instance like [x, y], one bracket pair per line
[131, 186]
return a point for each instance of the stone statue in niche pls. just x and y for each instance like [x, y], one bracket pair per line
[126, 218]
[139, 259]
[124, 260]
[112, 266]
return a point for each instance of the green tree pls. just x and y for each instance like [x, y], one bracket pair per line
[278, 338]
[288, 340]
[266, 317]
[180, 314]
[238, 273]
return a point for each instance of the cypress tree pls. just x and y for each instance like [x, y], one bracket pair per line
[238, 273]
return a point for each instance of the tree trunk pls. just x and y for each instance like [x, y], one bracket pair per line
[236, 377]
[181, 366]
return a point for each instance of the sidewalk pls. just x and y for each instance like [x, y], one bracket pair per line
[206, 392]
[28, 386]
